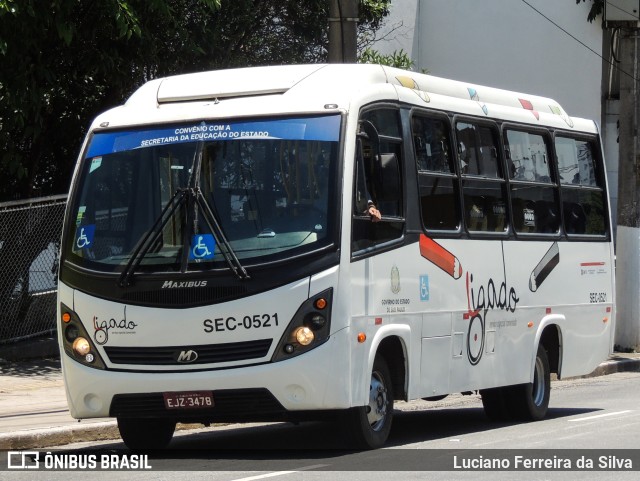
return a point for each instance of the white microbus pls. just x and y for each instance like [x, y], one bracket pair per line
[219, 263]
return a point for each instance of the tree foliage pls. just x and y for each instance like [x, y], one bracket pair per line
[597, 7]
[64, 61]
[399, 59]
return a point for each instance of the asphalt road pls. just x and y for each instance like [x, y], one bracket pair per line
[596, 419]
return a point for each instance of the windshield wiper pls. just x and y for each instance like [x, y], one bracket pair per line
[227, 252]
[148, 239]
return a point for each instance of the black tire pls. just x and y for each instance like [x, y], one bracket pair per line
[368, 426]
[495, 405]
[530, 402]
[146, 433]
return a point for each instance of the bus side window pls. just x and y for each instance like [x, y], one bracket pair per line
[439, 199]
[534, 194]
[583, 200]
[483, 185]
[378, 179]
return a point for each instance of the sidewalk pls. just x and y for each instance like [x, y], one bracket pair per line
[33, 406]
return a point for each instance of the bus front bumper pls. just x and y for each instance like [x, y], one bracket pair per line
[315, 381]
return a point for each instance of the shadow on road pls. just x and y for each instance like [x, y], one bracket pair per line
[283, 446]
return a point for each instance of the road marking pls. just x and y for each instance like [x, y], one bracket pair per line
[281, 473]
[599, 416]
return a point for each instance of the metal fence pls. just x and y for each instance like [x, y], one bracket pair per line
[29, 243]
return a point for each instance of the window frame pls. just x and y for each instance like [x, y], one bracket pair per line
[601, 184]
[454, 175]
[400, 142]
[547, 136]
[502, 179]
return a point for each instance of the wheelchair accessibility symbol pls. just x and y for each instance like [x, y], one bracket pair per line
[424, 288]
[203, 246]
[84, 238]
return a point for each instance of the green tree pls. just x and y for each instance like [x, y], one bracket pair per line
[63, 61]
[399, 59]
[597, 7]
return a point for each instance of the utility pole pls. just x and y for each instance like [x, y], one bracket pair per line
[624, 15]
[628, 218]
[343, 23]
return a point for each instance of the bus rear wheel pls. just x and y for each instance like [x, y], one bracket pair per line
[369, 426]
[530, 402]
[495, 404]
[146, 433]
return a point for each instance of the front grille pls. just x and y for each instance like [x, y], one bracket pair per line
[206, 354]
[228, 405]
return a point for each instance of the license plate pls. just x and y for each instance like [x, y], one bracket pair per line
[188, 400]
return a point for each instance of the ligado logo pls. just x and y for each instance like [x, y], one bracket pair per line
[481, 300]
[183, 284]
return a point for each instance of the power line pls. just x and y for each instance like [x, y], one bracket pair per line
[577, 39]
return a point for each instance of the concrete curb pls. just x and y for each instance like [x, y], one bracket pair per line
[59, 436]
[616, 364]
[45, 437]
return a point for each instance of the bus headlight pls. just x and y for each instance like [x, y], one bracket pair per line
[308, 329]
[304, 336]
[81, 346]
[75, 341]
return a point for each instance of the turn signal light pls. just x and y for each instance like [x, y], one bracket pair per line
[321, 303]
[66, 317]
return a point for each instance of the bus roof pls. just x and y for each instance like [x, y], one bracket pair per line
[318, 87]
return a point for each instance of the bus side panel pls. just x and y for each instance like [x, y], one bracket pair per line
[573, 280]
[490, 341]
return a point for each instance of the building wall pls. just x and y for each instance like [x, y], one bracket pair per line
[505, 44]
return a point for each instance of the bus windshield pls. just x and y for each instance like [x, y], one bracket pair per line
[263, 188]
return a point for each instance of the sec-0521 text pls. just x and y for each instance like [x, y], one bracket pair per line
[257, 321]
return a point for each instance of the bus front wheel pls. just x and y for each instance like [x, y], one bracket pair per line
[146, 433]
[369, 425]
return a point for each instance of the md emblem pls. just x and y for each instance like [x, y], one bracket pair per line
[186, 357]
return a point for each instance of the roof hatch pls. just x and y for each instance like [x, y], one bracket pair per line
[242, 82]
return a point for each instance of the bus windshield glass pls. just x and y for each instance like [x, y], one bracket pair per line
[269, 185]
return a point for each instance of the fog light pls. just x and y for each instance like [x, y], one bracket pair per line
[288, 348]
[81, 346]
[304, 336]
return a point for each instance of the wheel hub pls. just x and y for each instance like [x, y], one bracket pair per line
[377, 408]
